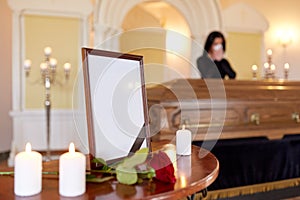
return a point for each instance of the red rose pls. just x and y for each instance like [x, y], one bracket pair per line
[163, 166]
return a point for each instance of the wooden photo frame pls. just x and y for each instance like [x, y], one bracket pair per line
[116, 103]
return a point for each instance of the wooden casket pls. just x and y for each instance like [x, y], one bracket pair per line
[222, 109]
[232, 118]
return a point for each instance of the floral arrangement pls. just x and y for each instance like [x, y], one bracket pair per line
[134, 169]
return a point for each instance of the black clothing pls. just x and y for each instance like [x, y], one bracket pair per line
[214, 69]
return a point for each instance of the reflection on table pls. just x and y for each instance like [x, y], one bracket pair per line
[194, 173]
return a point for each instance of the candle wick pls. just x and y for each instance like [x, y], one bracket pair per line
[183, 127]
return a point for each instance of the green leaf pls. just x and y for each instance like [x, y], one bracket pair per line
[99, 160]
[149, 174]
[138, 158]
[126, 175]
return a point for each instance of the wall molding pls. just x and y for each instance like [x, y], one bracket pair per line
[29, 125]
[241, 17]
[66, 126]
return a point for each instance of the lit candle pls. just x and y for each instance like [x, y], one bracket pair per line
[53, 63]
[254, 68]
[269, 52]
[266, 65]
[28, 172]
[286, 70]
[47, 51]
[183, 141]
[72, 173]
[273, 67]
[67, 67]
[27, 64]
[254, 71]
[286, 66]
[43, 67]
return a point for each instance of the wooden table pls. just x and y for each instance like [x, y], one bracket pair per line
[194, 173]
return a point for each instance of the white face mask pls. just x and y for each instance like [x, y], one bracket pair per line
[217, 47]
[217, 53]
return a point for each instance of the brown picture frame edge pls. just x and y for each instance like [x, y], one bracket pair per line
[145, 131]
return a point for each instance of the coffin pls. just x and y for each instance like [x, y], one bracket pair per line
[223, 109]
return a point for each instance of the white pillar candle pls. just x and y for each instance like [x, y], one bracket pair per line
[183, 141]
[72, 166]
[28, 172]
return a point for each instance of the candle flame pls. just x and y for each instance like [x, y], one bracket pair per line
[28, 147]
[72, 148]
[254, 67]
[67, 66]
[266, 65]
[183, 127]
[47, 51]
[273, 67]
[286, 66]
[43, 66]
[27, 64]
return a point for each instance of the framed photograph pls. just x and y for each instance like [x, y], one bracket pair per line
[116, 103]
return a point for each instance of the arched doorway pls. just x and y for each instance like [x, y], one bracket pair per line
[165, 46]
[199, 18]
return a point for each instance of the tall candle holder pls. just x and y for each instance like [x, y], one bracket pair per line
[48, 70]
[270, 68]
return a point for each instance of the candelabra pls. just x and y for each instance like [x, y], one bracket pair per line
[269, 66]
[48, 70]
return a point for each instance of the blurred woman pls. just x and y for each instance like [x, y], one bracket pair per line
[212, 63]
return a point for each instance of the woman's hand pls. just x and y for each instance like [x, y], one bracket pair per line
[217, 52]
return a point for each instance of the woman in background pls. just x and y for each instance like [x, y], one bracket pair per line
[212, 63]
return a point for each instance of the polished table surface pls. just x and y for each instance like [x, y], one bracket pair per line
[194, 173]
